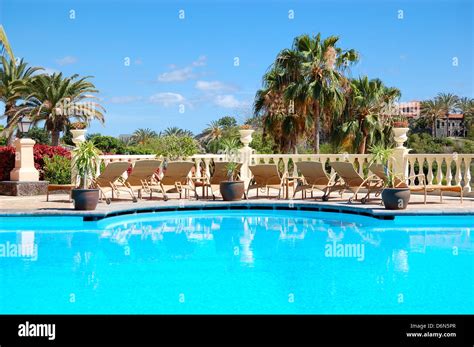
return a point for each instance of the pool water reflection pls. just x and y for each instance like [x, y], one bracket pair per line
[239, 262]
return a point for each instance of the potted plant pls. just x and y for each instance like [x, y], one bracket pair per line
[78, 131]
[400, 122]
[396, 194]
[400, 129]
[232, 189]
[85, 159]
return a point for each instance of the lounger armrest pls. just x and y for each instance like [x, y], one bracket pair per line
[282, 180]
[332, 179]
[373, 178]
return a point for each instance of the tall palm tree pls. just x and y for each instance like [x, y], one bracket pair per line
[466, 107]
[278, 121]
[365, 113]
[56, 100]
[14, 80]
[313, 74]
[449, 103]
[432, 110]
[5, 44]
[213, 132]
[143, 136]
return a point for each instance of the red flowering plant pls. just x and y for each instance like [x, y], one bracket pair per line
[400, 122]
[40, 151]
[7, 162]
[7, 158]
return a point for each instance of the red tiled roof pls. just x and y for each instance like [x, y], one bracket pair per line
[456, 116]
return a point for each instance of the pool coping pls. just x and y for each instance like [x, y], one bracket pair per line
[375, 212]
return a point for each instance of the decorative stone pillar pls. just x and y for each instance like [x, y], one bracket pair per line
[24, 162]
[399, 161]
[246, 154]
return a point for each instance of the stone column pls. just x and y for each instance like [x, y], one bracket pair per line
[399, 161]
[24, 162]
[246, 154]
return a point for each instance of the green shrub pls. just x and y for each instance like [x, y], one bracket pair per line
[108, 144]
[40, 135]
[425, 143]
[137, 150]
[57, 169]
[262, 145]
[174, 147]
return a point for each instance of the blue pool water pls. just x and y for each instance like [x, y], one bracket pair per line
[237, 262]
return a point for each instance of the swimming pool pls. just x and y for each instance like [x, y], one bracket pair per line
[237, 261]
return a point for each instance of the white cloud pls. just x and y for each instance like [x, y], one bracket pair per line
[214, 86]
[167, 99]
[67, 60]
[183, 74]
[177, 75]
[201, 61]
[229, 101]
[124, 99]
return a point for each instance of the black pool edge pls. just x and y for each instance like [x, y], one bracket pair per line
[241, 205]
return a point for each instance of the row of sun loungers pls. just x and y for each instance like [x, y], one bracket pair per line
[144, 178]
[147, 177]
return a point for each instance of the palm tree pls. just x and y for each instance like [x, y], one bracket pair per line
[277, 116]
[14, 80]
[176, 132]
[432, 110]
[365, 113]
[466, 107]
[213, 132]
[312, 76]
[230, 144]
[143, 136]
[449, 103]
[5, 45]
[56, 100]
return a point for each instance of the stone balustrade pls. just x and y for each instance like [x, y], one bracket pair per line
[446, 169]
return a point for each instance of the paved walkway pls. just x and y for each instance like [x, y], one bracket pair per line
[59, 204]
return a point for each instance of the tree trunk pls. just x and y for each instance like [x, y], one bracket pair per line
[316, 128]
[11, 137]
[55, 137]
[362, 145]
[447, 124]
[433, 131]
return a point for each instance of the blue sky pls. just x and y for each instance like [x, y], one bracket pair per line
[182, 71]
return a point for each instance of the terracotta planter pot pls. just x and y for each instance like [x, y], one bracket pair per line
[232, 190]
[396, 198]
[85, 199]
